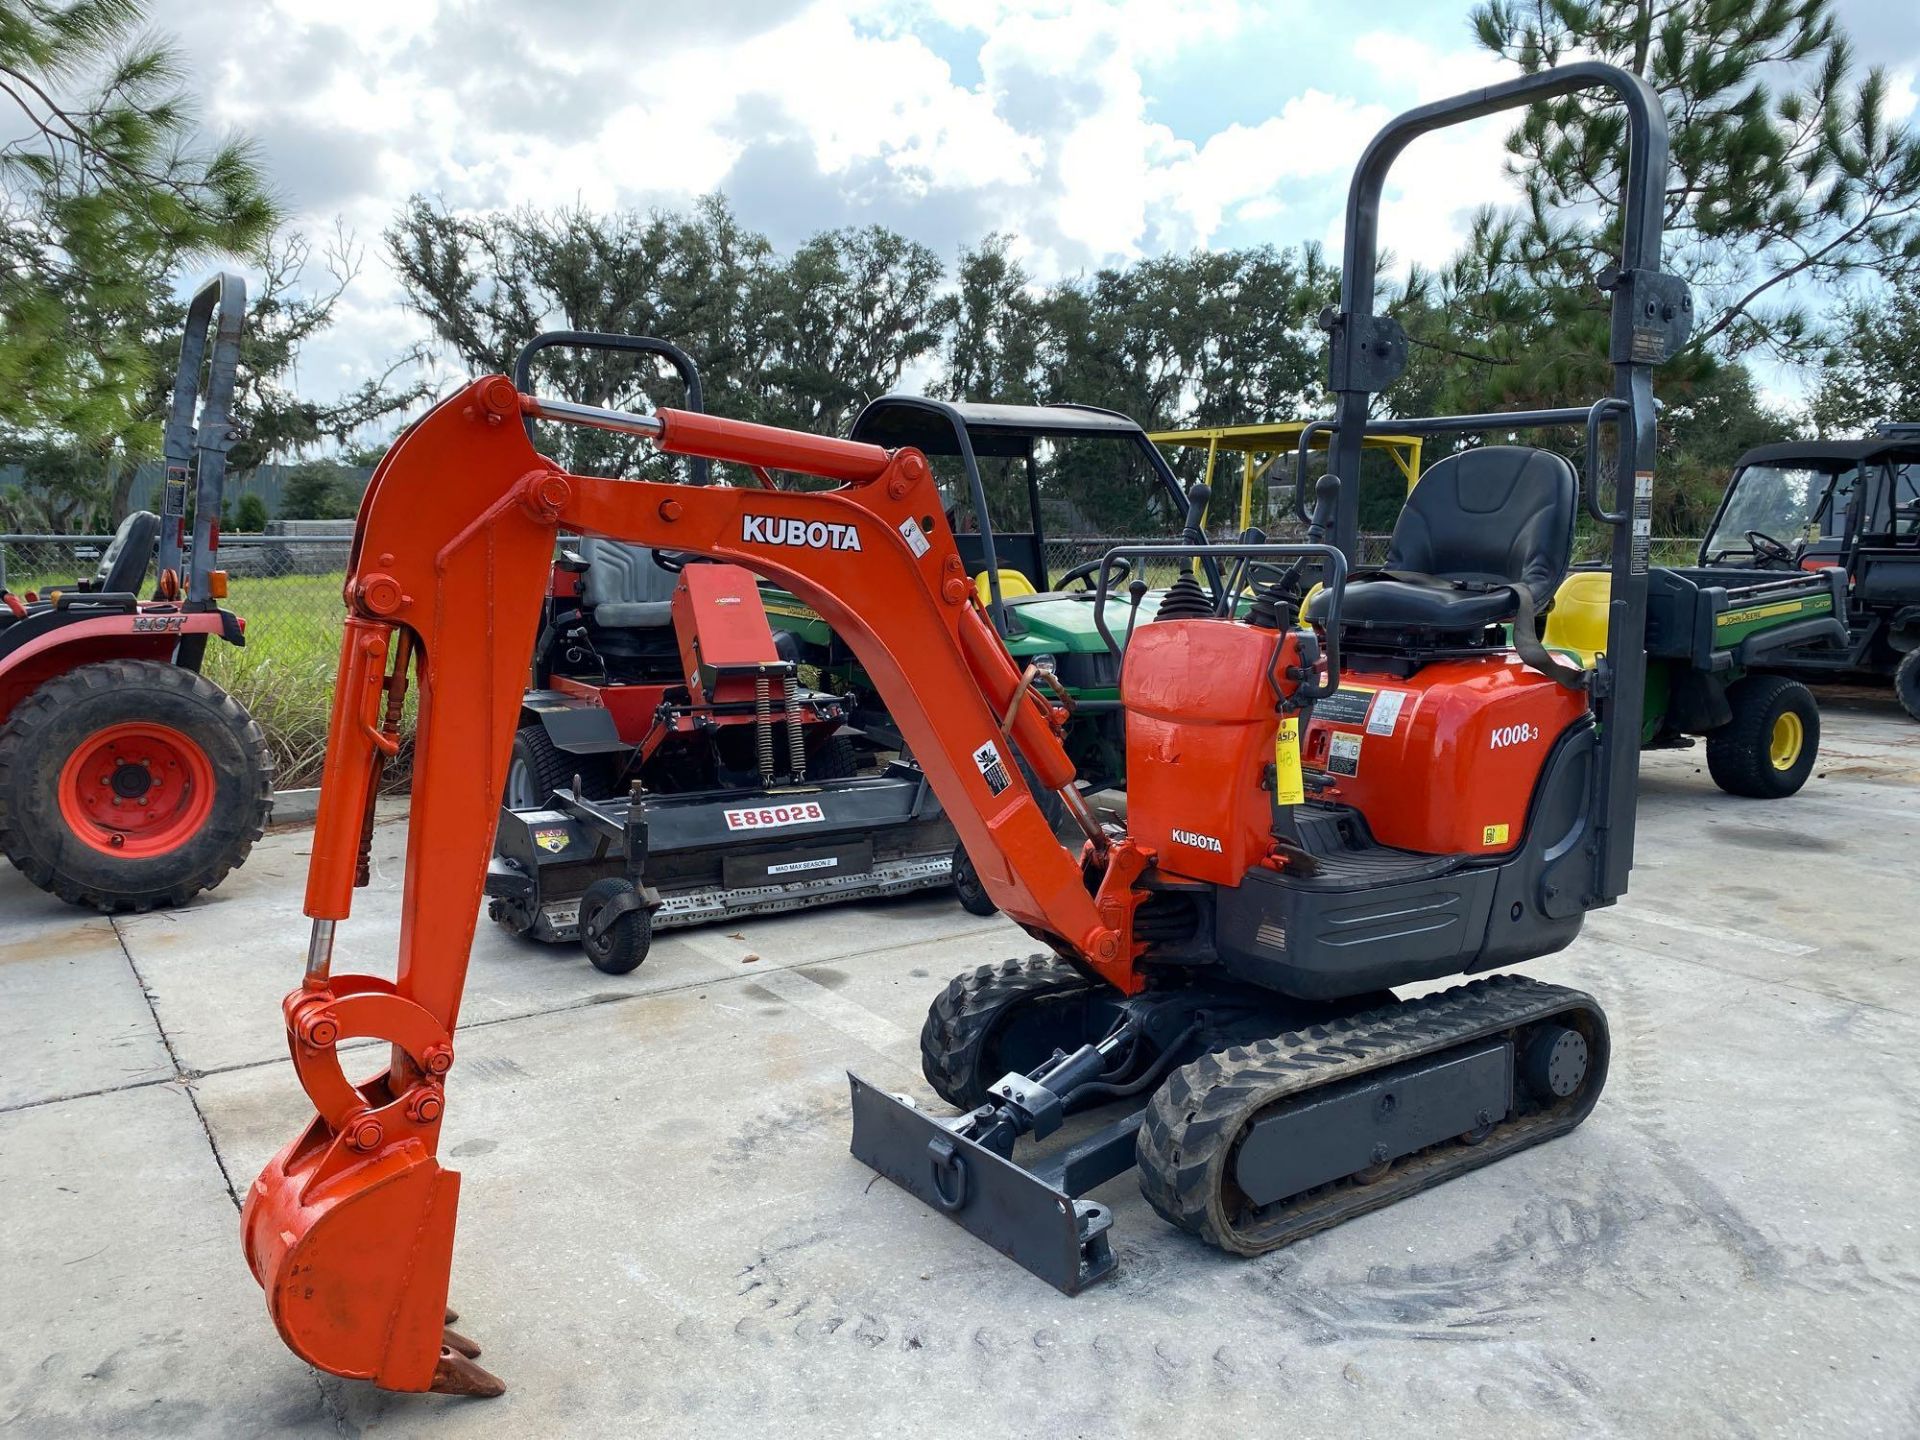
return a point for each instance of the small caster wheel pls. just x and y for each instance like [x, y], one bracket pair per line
[966, 884]
[621, 943]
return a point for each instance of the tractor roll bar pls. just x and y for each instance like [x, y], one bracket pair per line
[196, 445]
[636, 344]
[1592, 417]
[1336, 579]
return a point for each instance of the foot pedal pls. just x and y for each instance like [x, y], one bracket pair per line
[1042, 1228]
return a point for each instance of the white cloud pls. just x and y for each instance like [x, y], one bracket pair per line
[1069, 123]
[1441, 178]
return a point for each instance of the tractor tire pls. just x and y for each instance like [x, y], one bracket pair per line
[626, 941]
[969, 1040]
[974, 898]
[1906, 682]
[538, 767]
[130, 784]
[1768, 749]
[834, 760]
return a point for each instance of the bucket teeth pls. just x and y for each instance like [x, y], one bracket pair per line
[452, 1339]
[456, 1374]
[453, 1316]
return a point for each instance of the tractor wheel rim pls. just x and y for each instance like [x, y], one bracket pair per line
[1783, 747]
[136, 790]
[520, 794]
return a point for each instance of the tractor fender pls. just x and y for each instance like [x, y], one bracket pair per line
[577, 726]
[43, 646]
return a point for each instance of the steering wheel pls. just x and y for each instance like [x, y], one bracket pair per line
[1087, 569]
[1765, 547]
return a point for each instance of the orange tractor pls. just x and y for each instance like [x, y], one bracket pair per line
[1220, 967]
[127, 778]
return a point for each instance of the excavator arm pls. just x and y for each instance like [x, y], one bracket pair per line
[350, 1228]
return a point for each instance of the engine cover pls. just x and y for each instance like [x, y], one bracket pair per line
[1443, 762]
[1201, 712]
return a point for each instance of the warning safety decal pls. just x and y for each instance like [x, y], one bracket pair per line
[1346, 706]
[551, 838]
[992, 768]
[1386, 712]
[1343, 755]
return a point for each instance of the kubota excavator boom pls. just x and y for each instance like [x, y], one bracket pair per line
[350, 1229]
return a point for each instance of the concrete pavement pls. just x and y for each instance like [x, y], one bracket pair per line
[661, 1228]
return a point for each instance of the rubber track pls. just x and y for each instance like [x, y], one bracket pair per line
[961, 1016]
[1193, 1120]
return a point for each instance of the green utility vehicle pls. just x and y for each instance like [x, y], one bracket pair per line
[1853, 505]
[1709, 634]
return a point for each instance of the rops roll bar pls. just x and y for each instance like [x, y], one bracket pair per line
[195, 445]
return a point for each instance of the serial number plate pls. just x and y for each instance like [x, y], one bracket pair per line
[773, 817]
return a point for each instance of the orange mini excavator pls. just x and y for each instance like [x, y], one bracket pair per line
[1224, 960]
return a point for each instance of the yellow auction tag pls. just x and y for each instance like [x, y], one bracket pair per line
[1287, 786]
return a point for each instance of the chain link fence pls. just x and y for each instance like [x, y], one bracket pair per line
[287, 587]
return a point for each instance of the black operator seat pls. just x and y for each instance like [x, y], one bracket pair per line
[625, 588]
[123, 568]
[1477, 524]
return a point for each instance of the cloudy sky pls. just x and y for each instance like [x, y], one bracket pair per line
[1095, 130]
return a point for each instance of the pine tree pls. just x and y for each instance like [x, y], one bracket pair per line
[109, 191]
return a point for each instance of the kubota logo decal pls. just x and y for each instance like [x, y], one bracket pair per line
[1198, 841]
[812, 535]
[1507, 735]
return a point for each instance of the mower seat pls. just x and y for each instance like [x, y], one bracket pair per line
[1478, 523]
[625, 588]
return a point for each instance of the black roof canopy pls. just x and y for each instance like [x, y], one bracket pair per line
[1000, 430]
[1828, 454]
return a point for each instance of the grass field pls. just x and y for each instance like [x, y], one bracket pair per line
[284, 673]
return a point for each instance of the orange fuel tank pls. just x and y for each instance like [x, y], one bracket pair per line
[1444, 761]
[1201, 716]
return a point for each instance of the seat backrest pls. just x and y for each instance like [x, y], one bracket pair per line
[1500, 515]
[1012, 586]
[123, 568]
[620, 574]
[1578, 621]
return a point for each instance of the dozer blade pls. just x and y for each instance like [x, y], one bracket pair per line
[355, 1260]
[1058, 1238]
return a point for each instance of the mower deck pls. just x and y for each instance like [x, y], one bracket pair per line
[721, 855]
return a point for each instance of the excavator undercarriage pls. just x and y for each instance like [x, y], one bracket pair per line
[1338, 785]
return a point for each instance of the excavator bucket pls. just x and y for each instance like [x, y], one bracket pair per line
[355, 1263]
